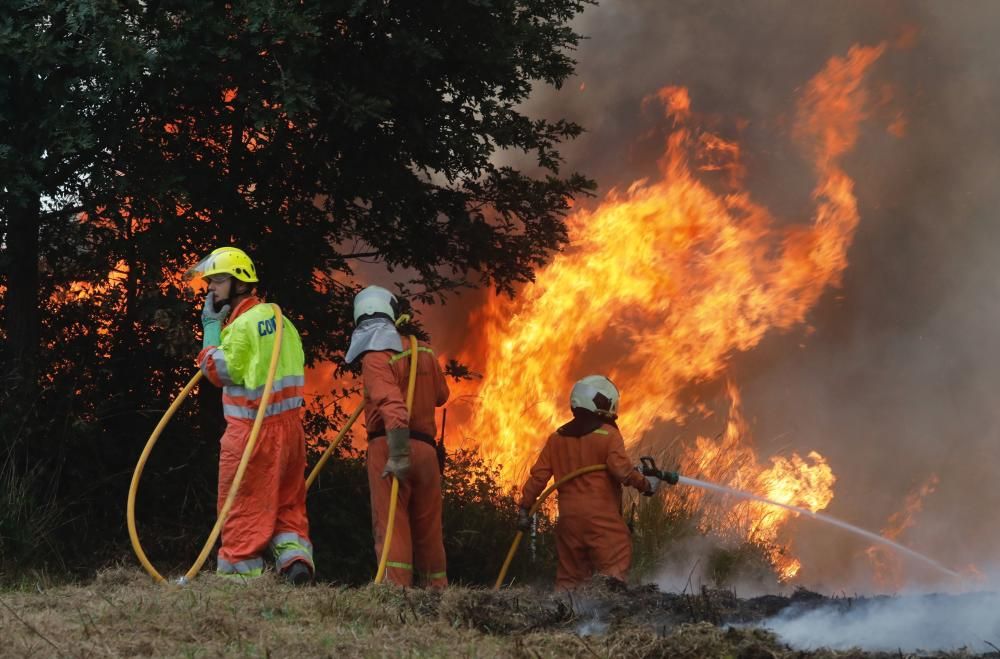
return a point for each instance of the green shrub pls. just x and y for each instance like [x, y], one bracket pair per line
[480, 523]
[675, 532]
[659, 528]
[29, 517]
[743, 563]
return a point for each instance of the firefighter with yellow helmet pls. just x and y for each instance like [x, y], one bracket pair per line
[269, 512]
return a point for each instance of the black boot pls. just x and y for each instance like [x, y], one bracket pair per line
[298, 574]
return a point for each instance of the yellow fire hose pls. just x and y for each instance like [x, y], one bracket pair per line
[538, 502]
[240, 470]
[394, 495]
[336, 442]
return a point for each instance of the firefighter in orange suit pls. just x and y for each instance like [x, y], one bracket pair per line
[591, 536]
[269, 511]
[401, 442]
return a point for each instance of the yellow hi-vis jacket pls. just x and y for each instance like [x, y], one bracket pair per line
[240, 364]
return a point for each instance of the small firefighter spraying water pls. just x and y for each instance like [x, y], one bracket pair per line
[591, 536]
[587, 460]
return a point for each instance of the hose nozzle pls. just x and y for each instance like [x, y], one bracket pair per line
[649, 468]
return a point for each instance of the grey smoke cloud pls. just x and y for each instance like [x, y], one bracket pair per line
[907, 624]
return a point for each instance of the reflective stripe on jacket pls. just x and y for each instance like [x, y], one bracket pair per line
[240, 364]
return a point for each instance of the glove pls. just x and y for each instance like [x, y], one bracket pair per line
[654, 485]
[211, 321]
[523, 520]
[671, 477]
[398, 463]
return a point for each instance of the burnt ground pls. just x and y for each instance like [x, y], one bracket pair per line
[674, 624]
[121, 613]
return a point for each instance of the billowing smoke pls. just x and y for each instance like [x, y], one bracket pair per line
[897, 377]
[904, 624]
[694, 563]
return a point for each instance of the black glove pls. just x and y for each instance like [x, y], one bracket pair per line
[523, 520]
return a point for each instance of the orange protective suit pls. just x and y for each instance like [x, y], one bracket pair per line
[417, 541]
[591, 536]
[269, 511]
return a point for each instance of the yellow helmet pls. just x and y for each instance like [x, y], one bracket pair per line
[226, 261]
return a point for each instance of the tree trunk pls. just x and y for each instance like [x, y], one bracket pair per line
[20, 354]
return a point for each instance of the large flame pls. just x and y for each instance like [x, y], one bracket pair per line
[662, 282]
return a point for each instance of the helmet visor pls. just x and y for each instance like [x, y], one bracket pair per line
[198, 270]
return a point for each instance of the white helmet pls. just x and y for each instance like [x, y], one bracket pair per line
[375, 300]
[597, 394]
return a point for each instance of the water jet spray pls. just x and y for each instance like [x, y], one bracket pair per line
[649, 469]
[874, 537]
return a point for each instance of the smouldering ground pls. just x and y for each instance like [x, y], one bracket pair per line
[122, 614]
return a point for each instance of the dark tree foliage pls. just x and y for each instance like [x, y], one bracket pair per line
[67, 72]
[318, 135]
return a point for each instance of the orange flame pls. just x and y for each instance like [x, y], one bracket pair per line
[888, 566]
[731, 460]
[661, 283]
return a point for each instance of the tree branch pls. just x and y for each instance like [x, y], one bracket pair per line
[360, 255]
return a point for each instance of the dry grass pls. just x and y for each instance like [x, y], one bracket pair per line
[122, 614]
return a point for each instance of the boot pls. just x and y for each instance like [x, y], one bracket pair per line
[298, 574]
